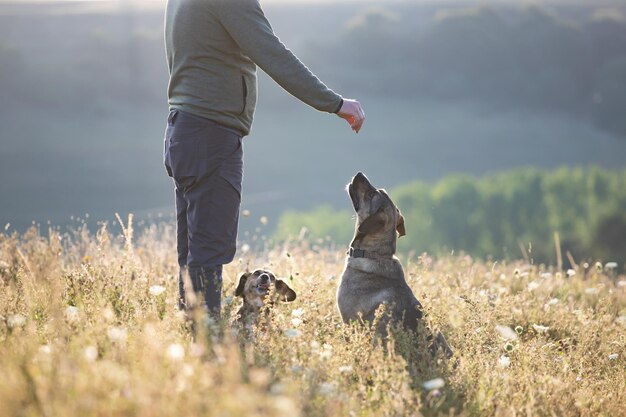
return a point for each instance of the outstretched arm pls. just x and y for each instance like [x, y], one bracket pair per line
[247, 25]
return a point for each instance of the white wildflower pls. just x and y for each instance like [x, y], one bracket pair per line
[621, 283]
[506, 332]
[4, 265]
[71, 314]
[551, 302]
[610, 265]
[176, 351]
[108, 314]
[245, 248]
[298, 312]
[540, 329]
[292, 333]
[277, 388]
[296, 321]
[435, 393]
[156, 290]
[327, 388]
[591, 291]
[504, 361]
[434, 384]
[245, 213]
[117, 334]
[90, 353]
[284, 405]
[45, 349]
[613, 356]
[571, 272]
[345, 369]
[327, 351]
[546, 275]
[264, 220]
[16, 320]
[533, 285]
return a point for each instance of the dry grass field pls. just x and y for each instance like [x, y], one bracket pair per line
[89, 327]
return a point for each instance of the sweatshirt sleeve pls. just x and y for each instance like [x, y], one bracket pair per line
[246, 23]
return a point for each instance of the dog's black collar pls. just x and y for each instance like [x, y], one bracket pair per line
[360, 253]
[357, 253]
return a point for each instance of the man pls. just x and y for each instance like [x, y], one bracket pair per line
[213, 48]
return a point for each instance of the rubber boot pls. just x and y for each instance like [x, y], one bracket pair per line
[207, 283]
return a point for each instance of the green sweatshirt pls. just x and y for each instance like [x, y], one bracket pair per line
[213, 47]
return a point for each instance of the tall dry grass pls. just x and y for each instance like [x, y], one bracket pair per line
[89, 327]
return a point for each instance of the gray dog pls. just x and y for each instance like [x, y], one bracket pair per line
[373, 275]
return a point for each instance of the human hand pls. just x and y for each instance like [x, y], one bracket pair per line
[352, 112]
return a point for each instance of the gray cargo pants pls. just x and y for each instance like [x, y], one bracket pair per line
[205, 161]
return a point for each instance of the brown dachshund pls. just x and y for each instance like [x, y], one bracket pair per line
[255, 288]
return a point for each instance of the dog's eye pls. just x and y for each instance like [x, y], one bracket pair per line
[371, 194]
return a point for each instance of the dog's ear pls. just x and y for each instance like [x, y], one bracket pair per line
[372, 224]
[242, 284]
[400, 225]
[286, 293]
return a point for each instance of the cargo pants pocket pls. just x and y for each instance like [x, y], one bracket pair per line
[183, 137]
[231, 168]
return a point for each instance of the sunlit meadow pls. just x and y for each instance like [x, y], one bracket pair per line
[89, 327]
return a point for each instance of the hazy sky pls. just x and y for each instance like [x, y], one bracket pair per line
[157, 2]
[152, 4]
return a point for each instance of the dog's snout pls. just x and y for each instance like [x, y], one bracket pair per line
[265, 278]
[358, 178]
[360, 181]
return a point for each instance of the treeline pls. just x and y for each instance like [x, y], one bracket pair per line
[527, 57]
[504, 216]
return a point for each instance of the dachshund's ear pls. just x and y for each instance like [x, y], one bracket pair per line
[286, 293]
[400, 225]
[242, 284]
